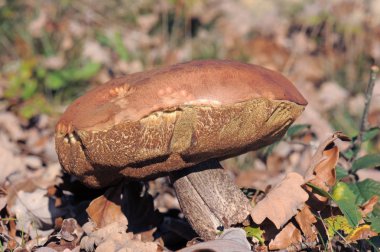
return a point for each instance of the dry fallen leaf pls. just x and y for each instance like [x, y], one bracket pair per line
[114, 237]
[34, 210]
[322, 169]
[9, 123]
[120, 243]
[282, 202]
[320, 155]
[232, 239]
[69, 236]
[97, 236]
[11, 161]
[325, 176]
[106, 209]
[306, 220]
[288, 236]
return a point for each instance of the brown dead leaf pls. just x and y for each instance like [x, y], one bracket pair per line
[282, 202]
[305, 220]
[367, 207]
[325, 176]
[71, 231]
[360, 233]
[107, 208]
[287, 237]
[319, 154]
[322, 169]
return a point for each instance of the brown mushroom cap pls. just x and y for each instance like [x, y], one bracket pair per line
[153, 122]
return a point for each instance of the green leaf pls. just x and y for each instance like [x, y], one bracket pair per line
[120, 48]
[255, 232]
[369, 161]
[103, 40]
[369, 134]
[319, 190]
[54, 81]
[348, 154]
[81, 73]
[375, 223]
[30, 88]
[41, 72]
[364, 190]
[345, 199]
[295, 129]
[340, 172]
[28, 111]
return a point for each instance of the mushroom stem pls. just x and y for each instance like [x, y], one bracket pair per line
[208, 198]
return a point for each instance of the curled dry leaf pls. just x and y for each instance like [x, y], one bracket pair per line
[322, 169]
[70, 230]
[325, 175]
[282, 202]
[288, 236]
[319, 155]
[106, 209]
[69, 236]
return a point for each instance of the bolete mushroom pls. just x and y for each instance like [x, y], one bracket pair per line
[179, 121]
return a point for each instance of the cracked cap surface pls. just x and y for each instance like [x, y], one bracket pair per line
[150, 123]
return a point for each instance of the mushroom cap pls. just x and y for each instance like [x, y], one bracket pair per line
[149, 123]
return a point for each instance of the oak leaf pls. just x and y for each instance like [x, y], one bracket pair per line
[282, 202]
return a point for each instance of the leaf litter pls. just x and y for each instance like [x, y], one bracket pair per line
[30, 171]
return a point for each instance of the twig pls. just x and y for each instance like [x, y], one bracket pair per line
[368, 97]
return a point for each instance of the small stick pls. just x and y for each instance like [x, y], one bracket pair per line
[368, 97]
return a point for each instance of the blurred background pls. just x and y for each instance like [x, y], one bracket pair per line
[51, 52]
